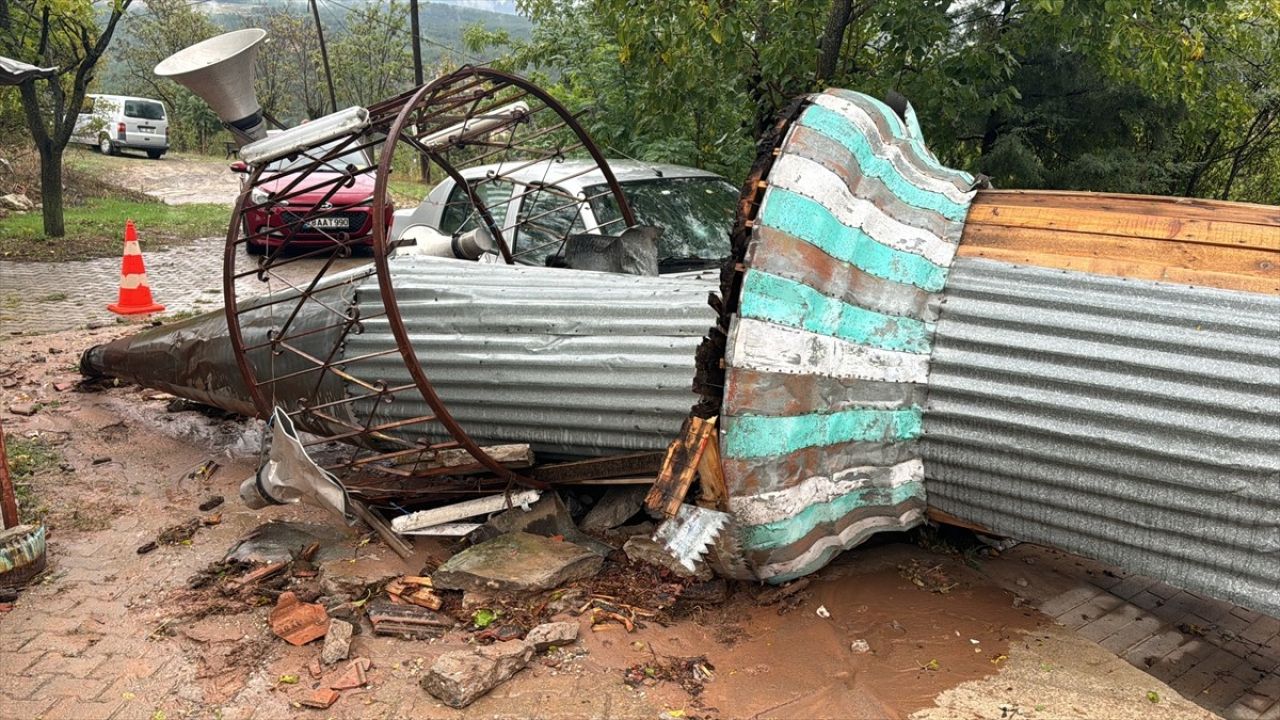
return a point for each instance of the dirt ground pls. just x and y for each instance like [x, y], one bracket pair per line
[176, 178]
[108, 632]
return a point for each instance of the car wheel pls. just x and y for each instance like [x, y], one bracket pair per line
[250, 246]
[106, 146]
[155, 154]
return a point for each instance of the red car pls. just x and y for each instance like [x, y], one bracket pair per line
[355, 221]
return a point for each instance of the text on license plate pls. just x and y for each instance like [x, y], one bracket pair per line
[328, 223]
[148, 130]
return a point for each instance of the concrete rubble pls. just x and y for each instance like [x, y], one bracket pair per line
[517, 562]
[459, 678]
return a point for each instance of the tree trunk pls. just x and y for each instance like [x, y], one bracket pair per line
[833, 39]
[51, 189]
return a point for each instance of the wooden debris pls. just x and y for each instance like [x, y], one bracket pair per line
[254, 576]
[414, 591]
[679, 466]
[399, 545]
[596, 470]
[460, 462]
[715, 494]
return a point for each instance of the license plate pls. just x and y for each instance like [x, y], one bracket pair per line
[148, 130]
[327, 223]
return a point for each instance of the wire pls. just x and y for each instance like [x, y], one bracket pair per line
[409, 33]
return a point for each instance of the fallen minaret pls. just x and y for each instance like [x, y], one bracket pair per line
[890, 340]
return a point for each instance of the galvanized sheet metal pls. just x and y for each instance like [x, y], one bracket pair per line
[828, 353]
[1130, 421]
[574, 363]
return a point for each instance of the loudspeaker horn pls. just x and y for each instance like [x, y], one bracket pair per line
[221, 71]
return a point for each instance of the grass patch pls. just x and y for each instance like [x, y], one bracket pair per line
[96, 229]
[407, 193]
[29, 457]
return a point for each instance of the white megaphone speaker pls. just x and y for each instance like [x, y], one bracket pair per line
[221, 71]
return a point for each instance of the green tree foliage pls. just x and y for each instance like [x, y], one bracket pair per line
[165, 27]
[1160, 96]
[62, 33]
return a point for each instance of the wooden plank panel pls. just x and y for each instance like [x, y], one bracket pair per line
[1136, 270]
[1191, 256]
[1189, 208]
[1128, 225]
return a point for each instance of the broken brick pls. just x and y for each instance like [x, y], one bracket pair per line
[321, 699]
[296, 622]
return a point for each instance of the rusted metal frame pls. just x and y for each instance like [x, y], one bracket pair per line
[369, 428]
[351, 399]
[491, 93]
[343, 423]
[381, 252]
[339, 246]
[393, 454]
[525, 141]
[307, 294]
[304, 296]
[258, 271]
[316, 163]
[597, 468]
[353, 320]
[281, 198]
[229, 277]
[469, 137]
[578, 130]
[314, 331]
[344, 375]
[503, 246]
[9, 517]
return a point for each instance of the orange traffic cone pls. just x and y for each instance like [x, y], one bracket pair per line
[135, 294]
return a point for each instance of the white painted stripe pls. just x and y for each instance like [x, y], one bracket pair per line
[813, 180]
[849, 535]
[133, 281]
[888, 148]
[785, 504]
[760, 345]
[131, 247]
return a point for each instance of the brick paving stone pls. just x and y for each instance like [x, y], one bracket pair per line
[12, 641]
[1154, 648]
[183, 279]
[1203, 674]
[1263, 630]
[1135, 632]
[1088, 612]
[1267, 658]
[13, 663]
[63, 686]
[1177, 607]
[1271, 713]
[1223, 692]
[27, 708]
[1068, 600]
[1107, 578]
[1108, 624]
[1163, 590]
[1131, 586]
[75, 666]
[64, 644]
[72, 709]
[1147, 600]
[1269, 686]
[1182, 658]
[22, 686]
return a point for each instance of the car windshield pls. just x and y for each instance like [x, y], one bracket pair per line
[695, 213]
[338, 164]
[143, 110]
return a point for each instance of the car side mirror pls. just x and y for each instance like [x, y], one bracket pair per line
[239, 166]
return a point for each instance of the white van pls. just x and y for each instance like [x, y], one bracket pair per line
[116, 122]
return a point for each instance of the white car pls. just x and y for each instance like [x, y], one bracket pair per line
[117, 122]
[694, 208]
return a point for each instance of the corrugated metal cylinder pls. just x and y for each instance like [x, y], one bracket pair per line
[1126, 420]
[574, 363]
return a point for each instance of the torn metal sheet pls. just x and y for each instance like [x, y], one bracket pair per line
[289, 475]
[827, 357]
